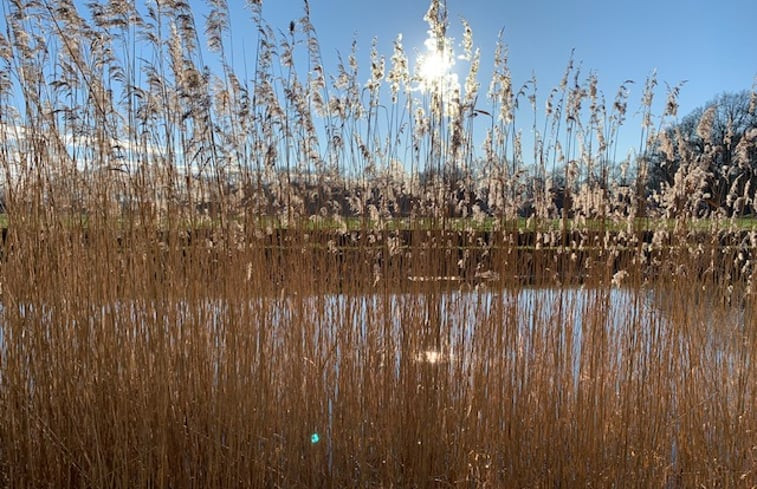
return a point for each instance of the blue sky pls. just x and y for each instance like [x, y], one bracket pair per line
[711, 44]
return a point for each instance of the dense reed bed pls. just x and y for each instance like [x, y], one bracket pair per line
[216, 282]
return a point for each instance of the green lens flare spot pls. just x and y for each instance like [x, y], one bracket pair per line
[314, 438]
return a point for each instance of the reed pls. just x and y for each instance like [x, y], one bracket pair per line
[210, 281]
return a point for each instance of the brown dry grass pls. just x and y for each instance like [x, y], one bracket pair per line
[170, 318]
[162, 365]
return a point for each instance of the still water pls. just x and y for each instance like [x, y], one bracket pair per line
[436, 327]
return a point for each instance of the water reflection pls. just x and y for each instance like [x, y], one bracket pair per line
[444, 327]
[433, 357]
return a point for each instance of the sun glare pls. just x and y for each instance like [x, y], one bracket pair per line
[435, 67]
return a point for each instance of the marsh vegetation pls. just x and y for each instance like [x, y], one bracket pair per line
[296, 279]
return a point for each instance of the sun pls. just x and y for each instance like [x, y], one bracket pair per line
[435, 66]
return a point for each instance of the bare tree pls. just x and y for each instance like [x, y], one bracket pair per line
[721, 138]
